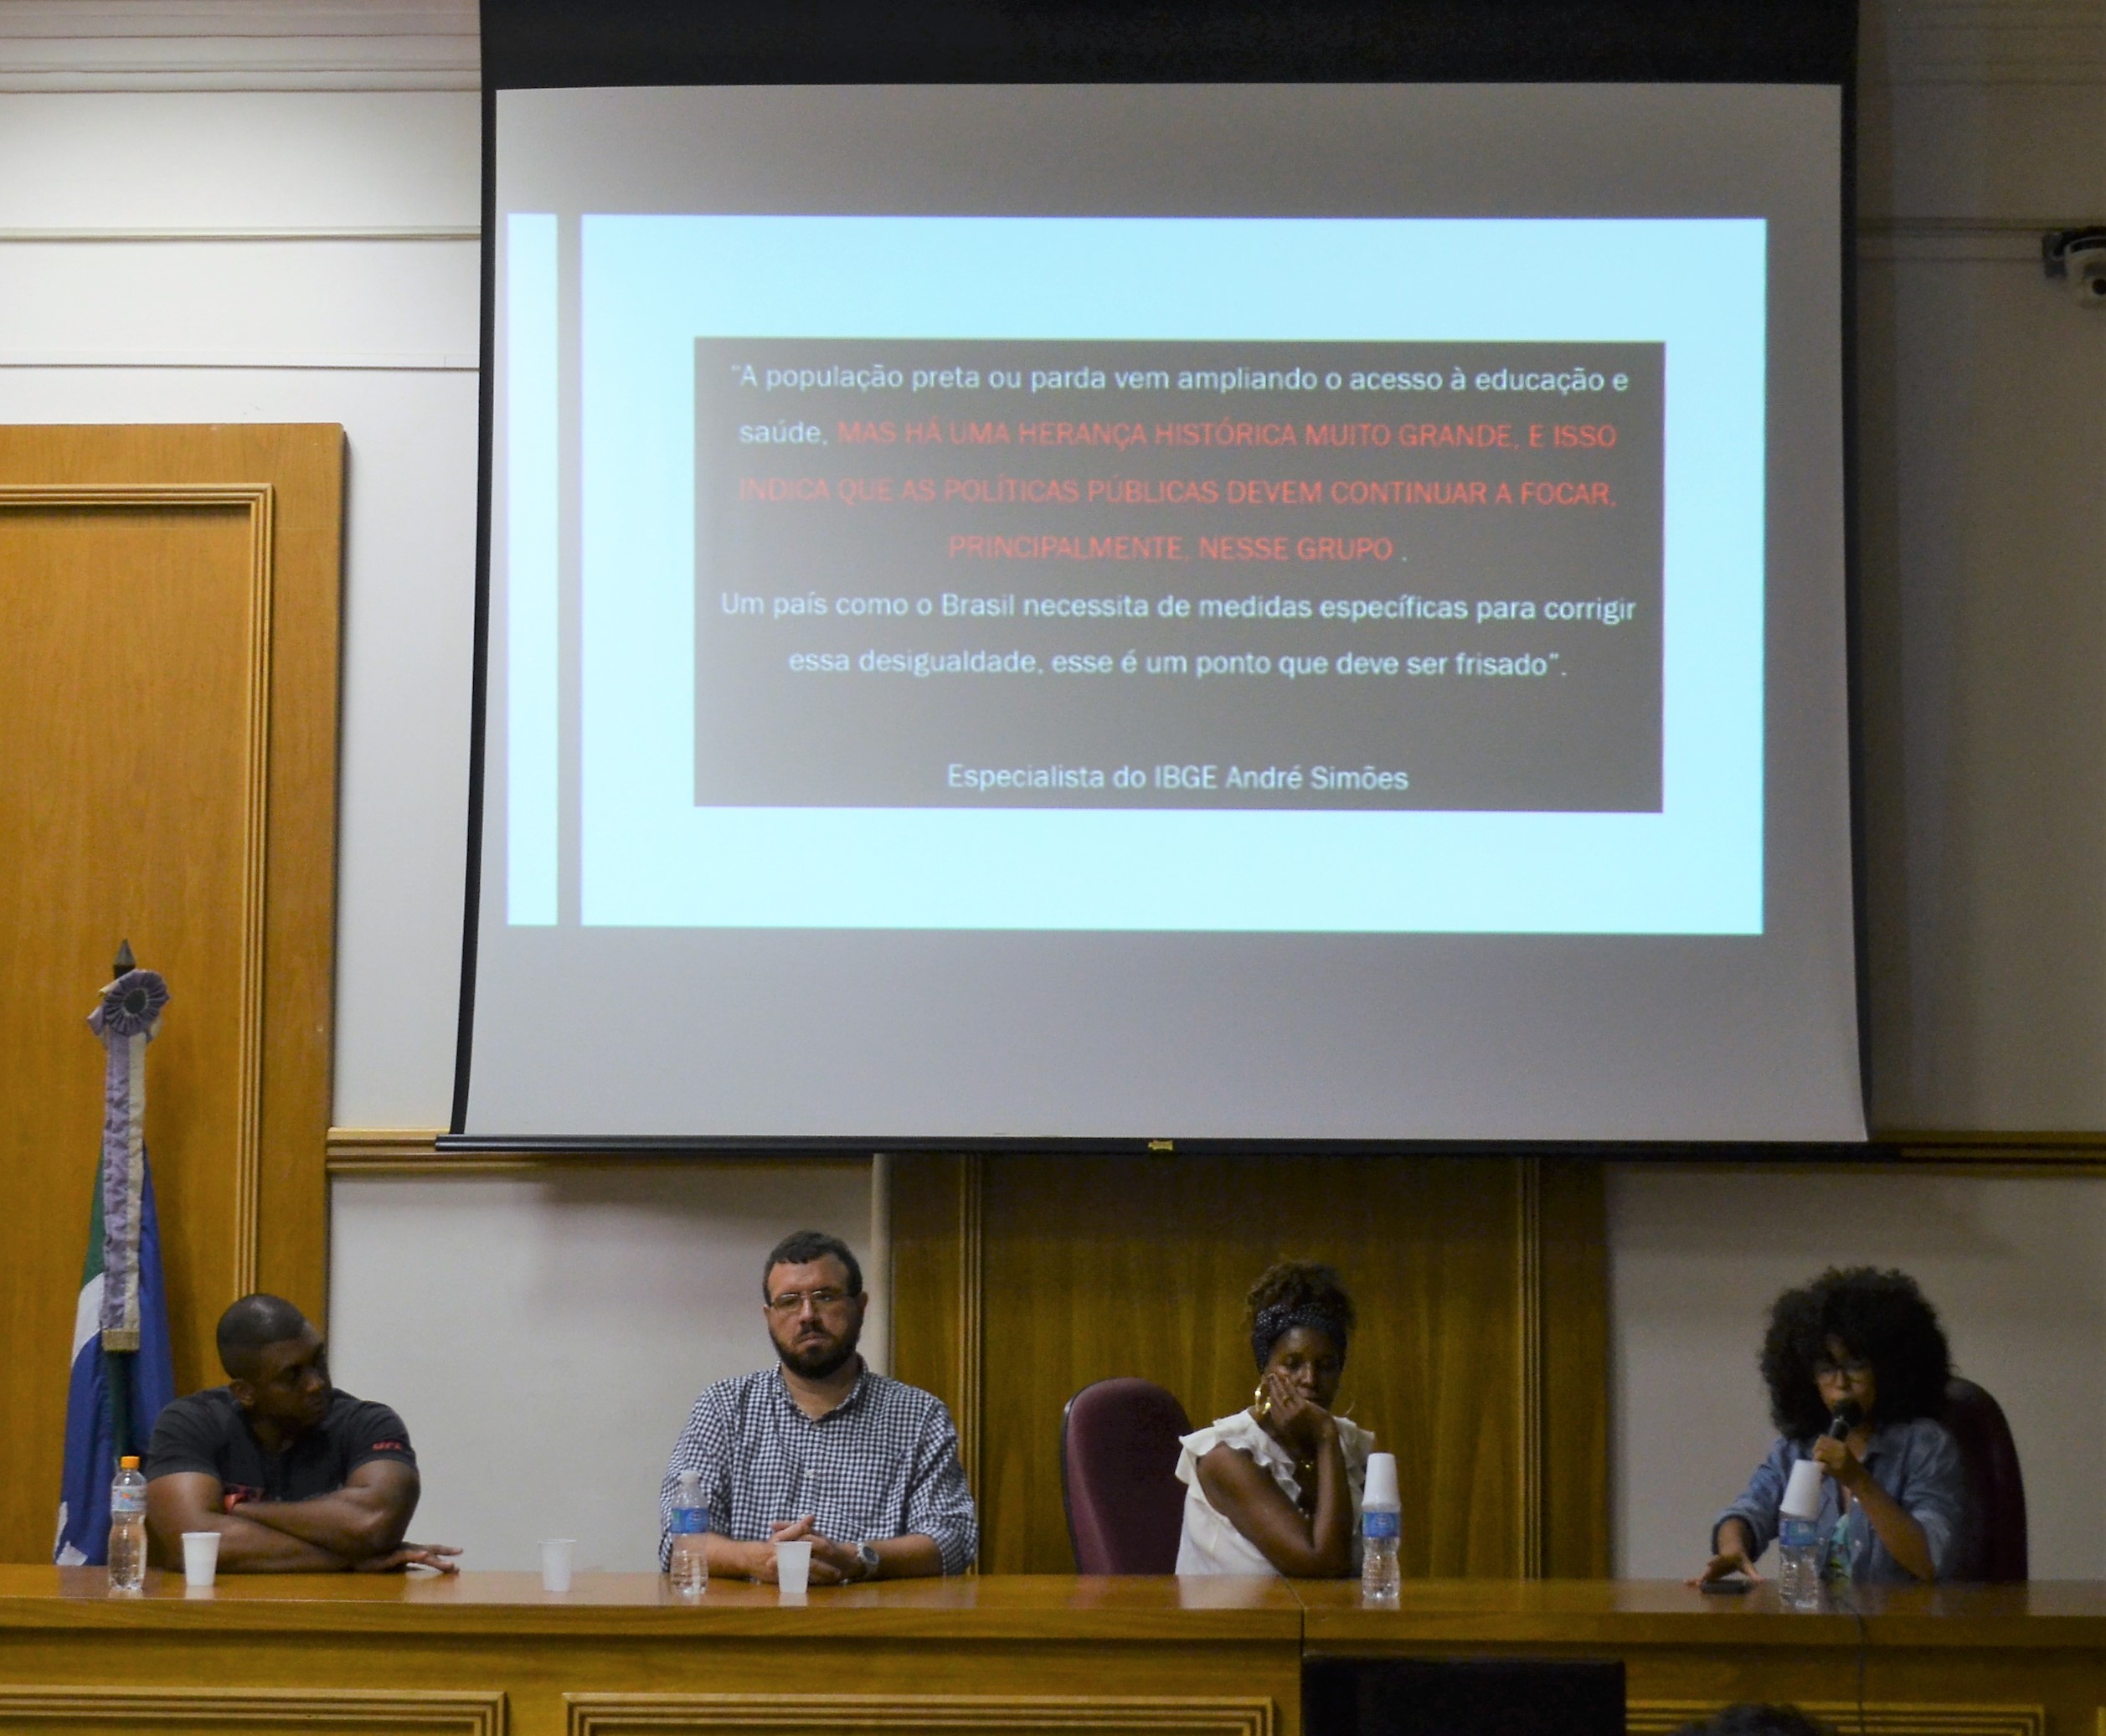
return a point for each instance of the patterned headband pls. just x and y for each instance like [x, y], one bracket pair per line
[1275, 1323]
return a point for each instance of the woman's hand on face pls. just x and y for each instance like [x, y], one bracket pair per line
[1299, 1421]
[1836, 1458]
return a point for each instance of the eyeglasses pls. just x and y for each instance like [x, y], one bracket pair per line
[1852, 1370]
[792, 1302]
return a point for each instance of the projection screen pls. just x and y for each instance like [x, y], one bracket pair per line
[1291, 612]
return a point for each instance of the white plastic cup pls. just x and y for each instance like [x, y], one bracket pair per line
[555, 1563]
[1802, 1493]
[793, 1566]
[1379, 1489]
[200, 1557]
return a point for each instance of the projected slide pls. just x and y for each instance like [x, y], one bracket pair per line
[1092, 574]
[936, 572]
[1124, 610]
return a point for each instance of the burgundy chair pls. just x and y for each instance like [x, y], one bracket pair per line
[1995, 1547]
[1118, 1476]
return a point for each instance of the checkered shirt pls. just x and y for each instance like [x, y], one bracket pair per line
[884, 1463]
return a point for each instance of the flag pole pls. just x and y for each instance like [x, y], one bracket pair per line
[122, 1372]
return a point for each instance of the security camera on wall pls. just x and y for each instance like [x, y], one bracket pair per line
[2078, 256]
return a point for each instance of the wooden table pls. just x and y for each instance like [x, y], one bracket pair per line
[1955, 1661]
[486, 1654]
[618, 1654]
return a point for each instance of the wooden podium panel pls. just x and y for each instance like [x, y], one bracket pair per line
[488, 1654]
[619, 1654]
[1950, 1661]
[485, 1655]
[168, 631]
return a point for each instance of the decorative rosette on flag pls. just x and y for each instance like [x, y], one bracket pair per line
[126, 1019]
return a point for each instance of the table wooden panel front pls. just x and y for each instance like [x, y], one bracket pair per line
[1953, 1660]
[618, 1654]
[488, 1654]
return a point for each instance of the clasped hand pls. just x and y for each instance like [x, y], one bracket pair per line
[831, 1563]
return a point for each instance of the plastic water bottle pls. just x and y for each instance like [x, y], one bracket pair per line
[1798, 1563]
[688, 1566]
[128, 1529]
[1797, 1539]
[1381, 1529]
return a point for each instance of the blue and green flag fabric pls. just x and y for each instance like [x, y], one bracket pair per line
[123, 1373]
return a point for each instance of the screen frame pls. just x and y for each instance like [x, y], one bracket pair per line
[547, 44]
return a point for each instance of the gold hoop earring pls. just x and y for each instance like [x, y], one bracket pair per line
[1261, 1402]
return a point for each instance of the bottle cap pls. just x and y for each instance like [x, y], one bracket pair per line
[127, 1463]
[1380, 1489]
[1802, 1494]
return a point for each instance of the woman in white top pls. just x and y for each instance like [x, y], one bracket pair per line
[1275, 1489]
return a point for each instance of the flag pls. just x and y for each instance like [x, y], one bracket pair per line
[122, 1372]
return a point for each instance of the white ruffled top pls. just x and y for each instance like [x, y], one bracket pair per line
[1210, 1542]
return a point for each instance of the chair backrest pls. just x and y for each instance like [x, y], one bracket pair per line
[1118, 1476]
[1994, 1548]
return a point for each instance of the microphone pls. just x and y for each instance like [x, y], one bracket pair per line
[1848, 1416]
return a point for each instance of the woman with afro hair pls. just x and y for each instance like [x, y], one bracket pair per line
[1856, 1366]
[1275, 1488]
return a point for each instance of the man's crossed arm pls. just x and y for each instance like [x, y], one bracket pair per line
[358, 1528]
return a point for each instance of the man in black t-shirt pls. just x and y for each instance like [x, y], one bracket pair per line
[296, 1476]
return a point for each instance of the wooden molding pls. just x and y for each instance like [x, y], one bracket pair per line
[396, 1150]
[218, 1709]
[971, 1285]
[1944, 1148]
[620, 1714]
[1661, 1718]
[1572, 1442]
[262, 587]
[1528, 1389]
[413, 1152]
[259, 501]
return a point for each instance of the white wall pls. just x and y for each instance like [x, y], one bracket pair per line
[340, 286]
[2016, 1269]
[545, 1337]
[1982, 458]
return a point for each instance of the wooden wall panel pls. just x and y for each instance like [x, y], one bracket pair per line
[934, 1284]
[123, 808]
[1572, 1227]
[1468, 1273]
[168, 615]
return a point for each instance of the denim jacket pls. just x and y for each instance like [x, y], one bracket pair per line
[1917, 1462]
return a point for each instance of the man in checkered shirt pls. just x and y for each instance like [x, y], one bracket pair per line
[820, 1447]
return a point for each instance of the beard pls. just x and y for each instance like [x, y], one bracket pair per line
[817, 1357]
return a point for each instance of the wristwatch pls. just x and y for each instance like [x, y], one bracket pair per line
[867, 1553]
